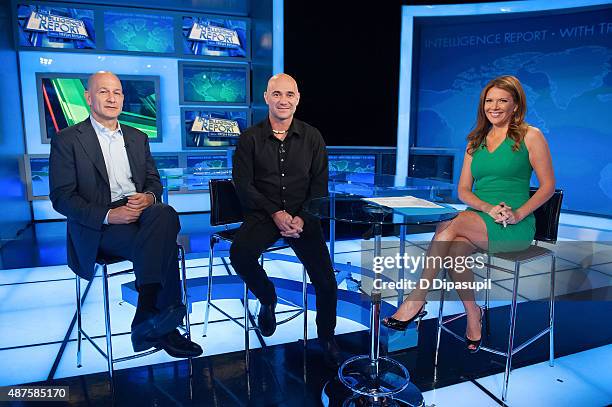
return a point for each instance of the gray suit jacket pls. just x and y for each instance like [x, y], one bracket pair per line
[80, 189]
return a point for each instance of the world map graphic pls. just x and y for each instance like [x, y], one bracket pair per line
[568, 99]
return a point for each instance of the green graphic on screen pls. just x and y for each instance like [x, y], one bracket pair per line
[64, 104]
[214, 84]
[138, 32]
[352, 163]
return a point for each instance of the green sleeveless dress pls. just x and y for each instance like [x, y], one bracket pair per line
[503, 176]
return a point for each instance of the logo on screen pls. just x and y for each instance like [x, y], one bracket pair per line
[215, 127]
[215, 36]
[57, 26]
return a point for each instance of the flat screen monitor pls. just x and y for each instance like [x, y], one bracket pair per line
[170, 171]
[39, 176]
[364, 163]
[204, 128]
[214, 84]
[152, 33]
[215, 36]
[166, 161]
[55, 27]
[205, 162]
[204, 167]
[432, 166]
[62, 103]
[355, 168]
[259, 114]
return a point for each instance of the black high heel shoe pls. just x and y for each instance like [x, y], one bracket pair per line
[476, 343]
[398, 325]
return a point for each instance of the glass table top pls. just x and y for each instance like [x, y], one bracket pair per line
[354, 209]
[347, 192]
[369, 184]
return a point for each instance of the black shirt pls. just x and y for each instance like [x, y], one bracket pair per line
[272, 175]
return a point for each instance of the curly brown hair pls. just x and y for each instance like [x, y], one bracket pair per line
[517, 127]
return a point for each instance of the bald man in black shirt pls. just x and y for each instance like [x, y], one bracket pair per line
[280, 164]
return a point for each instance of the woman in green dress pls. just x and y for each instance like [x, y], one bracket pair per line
[501, 153]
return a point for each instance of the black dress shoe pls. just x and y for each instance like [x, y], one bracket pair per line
[331, 353]
[176, 345]
[266, 319]
[145, 334]
[141, 335]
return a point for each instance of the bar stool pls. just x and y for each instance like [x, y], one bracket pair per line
[225, 209]
[103, 263]
[547, 226]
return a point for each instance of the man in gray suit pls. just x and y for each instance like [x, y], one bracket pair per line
[104, 180]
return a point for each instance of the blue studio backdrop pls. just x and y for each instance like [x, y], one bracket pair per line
[563, 59]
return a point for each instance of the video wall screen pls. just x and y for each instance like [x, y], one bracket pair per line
[62, 103]
[352, 163]
[55, 27]
[166, 161]
[563, 61]
[202, 168]
[215, 37]
[205, 127]
[354, 168]
[431, 166]
[138, 32]
[214, 84]
[170, 170]
[259, 114]
[39, 176]
[204, 162]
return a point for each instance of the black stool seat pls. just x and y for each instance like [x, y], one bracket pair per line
[227, 234]
[108, 260]
[225, 209]
[531, 253]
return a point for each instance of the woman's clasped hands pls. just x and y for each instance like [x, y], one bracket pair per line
[503, 214]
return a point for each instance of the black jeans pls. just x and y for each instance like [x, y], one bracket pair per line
[150, 244]
[259, 233]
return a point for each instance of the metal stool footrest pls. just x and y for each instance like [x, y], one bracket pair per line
[108, 355]
[493, 350]
[511, 348]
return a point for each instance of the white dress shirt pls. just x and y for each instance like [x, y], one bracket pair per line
[116, 161]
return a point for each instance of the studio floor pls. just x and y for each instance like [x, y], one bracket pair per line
[38, 341]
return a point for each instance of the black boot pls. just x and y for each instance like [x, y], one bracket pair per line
[331, 352]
